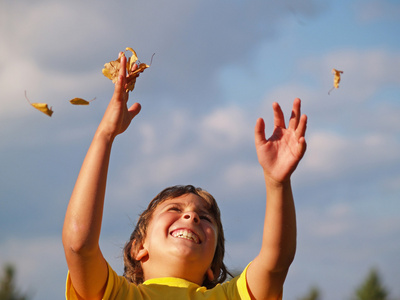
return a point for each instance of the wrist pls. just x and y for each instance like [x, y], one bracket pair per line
[103, 136]
[271, 182]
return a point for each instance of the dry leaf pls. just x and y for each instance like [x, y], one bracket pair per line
[131, 60]
[140, 69]
[43, 107]
[111, 69]
[336, 79]
[80, 101]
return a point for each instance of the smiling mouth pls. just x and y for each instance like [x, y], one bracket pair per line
[186, 234]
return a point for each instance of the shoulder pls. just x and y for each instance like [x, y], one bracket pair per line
[236, 288]
[117, 288]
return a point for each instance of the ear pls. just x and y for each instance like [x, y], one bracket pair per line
[141, 253]
[210, 274]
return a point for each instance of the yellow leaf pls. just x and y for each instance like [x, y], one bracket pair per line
[111, 69]
[131, 60]
[80, 101]
[131, 85]
[140, 69]
[134, 55]
[43, 107]
[336, 79]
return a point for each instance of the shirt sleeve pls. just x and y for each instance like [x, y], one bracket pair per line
[236, 288]
[119, 288]
[242, 287]
[70, 293]
[113, 285]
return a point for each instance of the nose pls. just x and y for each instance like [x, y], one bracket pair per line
[191, 215]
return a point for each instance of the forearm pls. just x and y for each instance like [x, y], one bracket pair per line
[83, 218]
[279, 236]
[267, 272]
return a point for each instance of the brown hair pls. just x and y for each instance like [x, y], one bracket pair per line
[132, 268]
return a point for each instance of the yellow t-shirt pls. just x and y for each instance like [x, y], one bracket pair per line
[118, 288]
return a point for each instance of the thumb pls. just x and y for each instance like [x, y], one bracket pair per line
[302, 146]
[259, 132]
[134, 110]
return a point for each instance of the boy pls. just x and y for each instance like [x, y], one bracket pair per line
[182, 234]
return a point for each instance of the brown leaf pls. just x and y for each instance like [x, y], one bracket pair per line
[43, 107]
[111, 69]
[80, 101]
[336, 79]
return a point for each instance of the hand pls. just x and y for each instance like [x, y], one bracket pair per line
[281, 153]
[118, 117]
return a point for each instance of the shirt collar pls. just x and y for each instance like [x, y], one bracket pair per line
[171, 281]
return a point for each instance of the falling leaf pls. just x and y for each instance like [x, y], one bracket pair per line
[43, 107]
[111, 69]
[80, 101]
[336, 79]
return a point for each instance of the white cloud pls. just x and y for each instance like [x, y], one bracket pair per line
[330, 154]
[243, 175]
[225, 128]
[335, 220]
[171, 129]
[181, 146]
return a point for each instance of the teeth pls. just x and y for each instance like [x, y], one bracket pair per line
[186, 234]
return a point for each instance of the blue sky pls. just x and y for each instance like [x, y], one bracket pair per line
[218, 67]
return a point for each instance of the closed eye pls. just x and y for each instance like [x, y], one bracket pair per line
[206, 217]
[174, 208]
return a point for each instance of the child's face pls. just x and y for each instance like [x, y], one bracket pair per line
[182, 230]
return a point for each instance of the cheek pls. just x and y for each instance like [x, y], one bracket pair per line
[212, 235]
[159, 227]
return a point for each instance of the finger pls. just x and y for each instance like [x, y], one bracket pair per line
[302, 127]
[122, 68]
[259, 132]
[120, 84]
[295, 117]
[122, 78]
[131, 78]
[279, 119]
[134, 67]
[302, 146]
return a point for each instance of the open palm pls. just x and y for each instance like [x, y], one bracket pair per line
[280, 154]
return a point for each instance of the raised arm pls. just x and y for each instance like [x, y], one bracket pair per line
[279, 156]
[82, 225]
